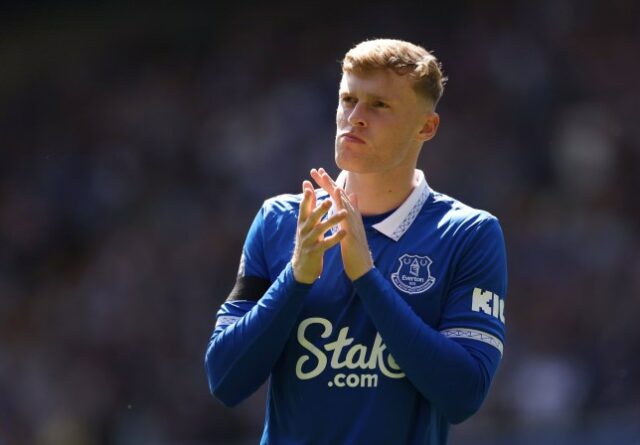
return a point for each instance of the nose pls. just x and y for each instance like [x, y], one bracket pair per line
[356, 117]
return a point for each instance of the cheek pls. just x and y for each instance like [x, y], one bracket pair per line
[404, 129]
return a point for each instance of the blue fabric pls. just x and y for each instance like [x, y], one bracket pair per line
[394, 357]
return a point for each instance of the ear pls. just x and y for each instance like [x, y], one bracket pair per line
[429, 126]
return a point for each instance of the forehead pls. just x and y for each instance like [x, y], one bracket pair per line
[383, 83]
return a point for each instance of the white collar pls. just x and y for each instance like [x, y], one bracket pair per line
[396, 224]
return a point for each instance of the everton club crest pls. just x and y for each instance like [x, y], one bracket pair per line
[414, 274]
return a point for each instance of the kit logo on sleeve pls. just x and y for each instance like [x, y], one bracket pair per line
[414, 274]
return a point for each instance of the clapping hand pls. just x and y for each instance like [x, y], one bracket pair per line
[311, 242]
[354, 247]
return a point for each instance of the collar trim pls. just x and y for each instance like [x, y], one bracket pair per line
[396, 224]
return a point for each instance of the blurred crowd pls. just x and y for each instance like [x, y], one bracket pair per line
[136, 145]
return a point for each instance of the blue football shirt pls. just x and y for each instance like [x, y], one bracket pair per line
[394, 357]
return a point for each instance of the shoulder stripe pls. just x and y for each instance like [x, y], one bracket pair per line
[474, 334]
[226, 320]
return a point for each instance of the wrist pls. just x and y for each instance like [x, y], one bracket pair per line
[301, 277]
[361, 273]
[366, 277]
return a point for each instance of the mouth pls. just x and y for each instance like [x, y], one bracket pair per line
[350, 137]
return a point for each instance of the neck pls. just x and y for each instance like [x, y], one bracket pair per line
[381, 192]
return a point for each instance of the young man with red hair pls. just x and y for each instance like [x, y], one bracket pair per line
[396, 333]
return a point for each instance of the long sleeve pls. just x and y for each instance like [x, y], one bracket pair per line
[452, 372]
[250, 337]
[253, 325]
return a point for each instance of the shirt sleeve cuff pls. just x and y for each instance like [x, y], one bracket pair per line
[291, 282]
[368, 281]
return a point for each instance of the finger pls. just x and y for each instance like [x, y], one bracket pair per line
[327, 178]
[312, 203]
[353, 198]
[337, 192]
[316, 214]
[324, 226]
[354, 219]
[324, 180]
[315, 174]
[305, 209]
[332, 240]
[321, 181]
[349, 203]
[343, 201]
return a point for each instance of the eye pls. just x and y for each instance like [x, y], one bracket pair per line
[380, 104]
[348, 100]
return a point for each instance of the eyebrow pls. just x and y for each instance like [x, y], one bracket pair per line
[343, 93]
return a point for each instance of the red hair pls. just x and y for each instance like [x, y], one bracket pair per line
[401, 57]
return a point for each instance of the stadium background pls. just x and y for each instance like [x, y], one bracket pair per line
[138, 142]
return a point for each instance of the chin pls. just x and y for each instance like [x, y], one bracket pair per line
[352, 162]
